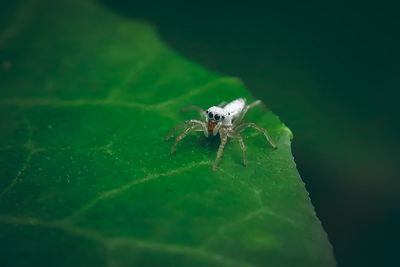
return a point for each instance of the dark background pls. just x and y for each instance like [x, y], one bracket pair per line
[331, 71]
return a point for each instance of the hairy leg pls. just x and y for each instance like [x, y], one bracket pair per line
[255, 103]
[217, 128]
[243, 147]
[244, 126]
[224, 139]
[183, 135]
[246, 108]
[187, 123]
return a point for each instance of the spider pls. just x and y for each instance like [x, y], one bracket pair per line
[225, 120]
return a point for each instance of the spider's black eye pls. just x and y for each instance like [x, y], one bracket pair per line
[223, 117]
[210, 115]
[217, 117]
[207, 111]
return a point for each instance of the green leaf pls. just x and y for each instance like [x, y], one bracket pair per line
[86, 180]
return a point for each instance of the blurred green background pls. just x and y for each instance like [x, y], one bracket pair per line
[330, 70]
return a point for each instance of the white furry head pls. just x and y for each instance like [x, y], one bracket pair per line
[216, 114]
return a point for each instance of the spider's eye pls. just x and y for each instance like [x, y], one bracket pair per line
[207, 111]
[217, 117]
[223, 117]
[210, 115]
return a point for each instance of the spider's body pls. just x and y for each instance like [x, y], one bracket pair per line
[225, 120]
[226, 114]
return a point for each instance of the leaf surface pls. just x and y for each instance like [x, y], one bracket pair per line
[86, 98]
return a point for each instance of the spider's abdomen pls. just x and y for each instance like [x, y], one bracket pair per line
[235, 107]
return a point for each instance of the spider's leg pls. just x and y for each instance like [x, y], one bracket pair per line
[187, 123]
[205, 129]
[216, 128]
[255, 103]
[201, 111]
[244, 126]
[224, 139]
[244, 111]
[202, 126]
[239, 119]
[183, 135]
[243, 147]
[171, 133]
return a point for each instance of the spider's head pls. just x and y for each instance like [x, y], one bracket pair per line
[214, 115]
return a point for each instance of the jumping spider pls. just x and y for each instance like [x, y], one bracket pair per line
[225, 120]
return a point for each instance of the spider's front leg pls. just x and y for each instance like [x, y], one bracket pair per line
[197, 127]
[217, 128]
[187, 124]
[236, 135]
[223, 133]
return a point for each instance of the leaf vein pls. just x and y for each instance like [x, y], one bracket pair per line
[32, 150]
[121, 189]
[108, 243]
